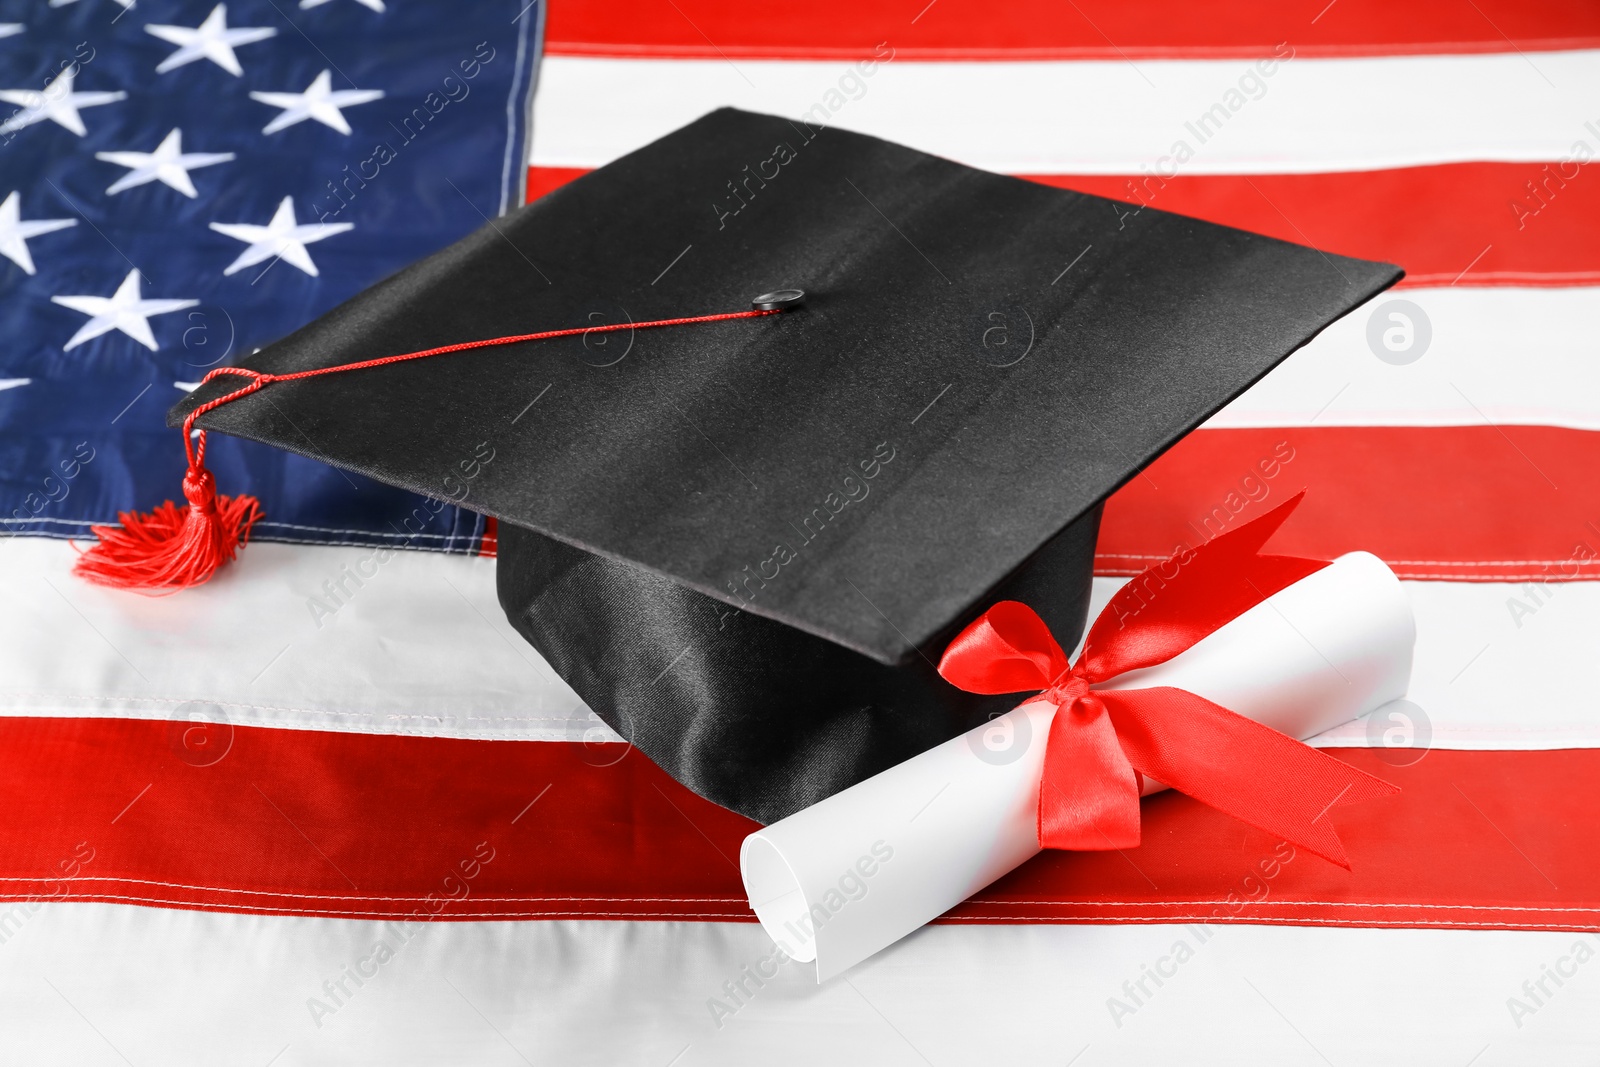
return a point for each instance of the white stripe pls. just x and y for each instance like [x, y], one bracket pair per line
[1486, 677]
[417, 646]
[1501, 355]
[1104, 117]
[97, 983]
[422, 648]
[1502, 666]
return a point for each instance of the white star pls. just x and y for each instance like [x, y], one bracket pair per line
[13, 383]
[124, 4]
[210, 40]
[168, 164]
[14, 232]
[283, 238]
[124, 310]
[11, 29]
[320, 101]
[56, 102]
[375, 5]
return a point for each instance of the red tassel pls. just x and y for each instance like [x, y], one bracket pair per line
[170, 549]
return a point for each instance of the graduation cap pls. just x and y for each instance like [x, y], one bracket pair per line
[745, 534]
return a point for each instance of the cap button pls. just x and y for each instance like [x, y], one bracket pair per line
[779, 300]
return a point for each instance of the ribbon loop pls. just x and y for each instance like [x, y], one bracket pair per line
[1008, 649]
[1102, 742]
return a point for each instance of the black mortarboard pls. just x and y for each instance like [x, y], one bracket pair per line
[745, 543]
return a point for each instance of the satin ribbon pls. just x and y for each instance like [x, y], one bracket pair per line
[1102, 741]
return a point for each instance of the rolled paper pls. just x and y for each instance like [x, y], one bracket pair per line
[851, 875]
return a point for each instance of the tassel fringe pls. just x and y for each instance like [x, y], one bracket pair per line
[171, 548]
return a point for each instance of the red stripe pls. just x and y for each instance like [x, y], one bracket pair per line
[1482, 503]
[304, 822]
[1454, 223]
[542, 180]
[1474, 839]
[490, 545]
[310, 822]
[1046, 29]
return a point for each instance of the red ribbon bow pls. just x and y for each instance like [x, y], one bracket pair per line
[1102, 741]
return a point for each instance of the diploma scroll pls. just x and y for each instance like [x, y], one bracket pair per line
[851, 875]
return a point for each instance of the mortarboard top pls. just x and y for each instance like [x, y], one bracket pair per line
[743, 542]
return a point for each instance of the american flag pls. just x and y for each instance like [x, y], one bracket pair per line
[331, 807]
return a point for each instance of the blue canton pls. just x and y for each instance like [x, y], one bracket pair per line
[182, 183]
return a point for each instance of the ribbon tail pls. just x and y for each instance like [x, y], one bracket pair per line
[1170, 606]
[1240, 767]
[1088, 793]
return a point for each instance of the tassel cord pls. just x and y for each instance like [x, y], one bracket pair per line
[169, 548]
